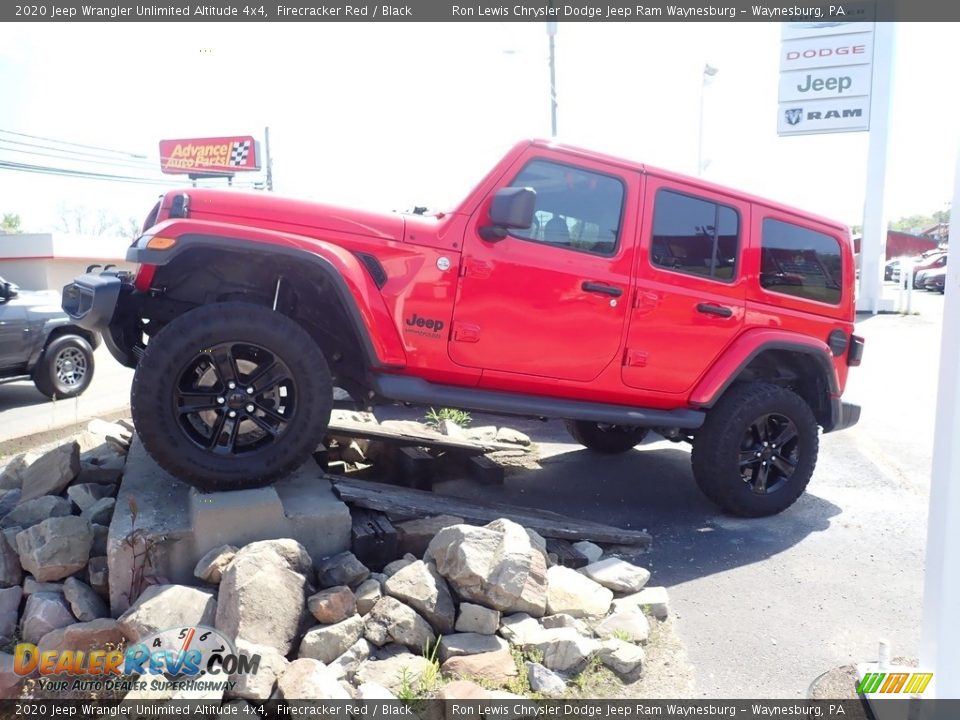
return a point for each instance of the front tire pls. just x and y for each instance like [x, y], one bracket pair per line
[231, 395]
[66, 368]
[604, 438]
[757, 449]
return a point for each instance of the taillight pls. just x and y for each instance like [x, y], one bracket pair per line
[856, 350]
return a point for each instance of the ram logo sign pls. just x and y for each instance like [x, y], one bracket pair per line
[825, 116]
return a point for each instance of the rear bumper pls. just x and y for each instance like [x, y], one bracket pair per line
[94, 302]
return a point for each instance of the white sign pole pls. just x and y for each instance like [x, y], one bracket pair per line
[873, 245]
[940, 635]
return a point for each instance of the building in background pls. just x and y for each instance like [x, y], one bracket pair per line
[901, 244]
[48, 261]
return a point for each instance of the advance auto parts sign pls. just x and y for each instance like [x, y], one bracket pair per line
[217, 156]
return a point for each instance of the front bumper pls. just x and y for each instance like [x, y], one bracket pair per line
[849, 416]
[94, 301]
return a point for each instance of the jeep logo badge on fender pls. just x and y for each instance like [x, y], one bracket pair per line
[423, 326]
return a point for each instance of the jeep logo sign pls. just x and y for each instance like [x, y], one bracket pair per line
[818, 84]
[825, 116]
[826, 77]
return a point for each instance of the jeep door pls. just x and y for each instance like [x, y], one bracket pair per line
[550, 301]
[690, 291]
[15, 342]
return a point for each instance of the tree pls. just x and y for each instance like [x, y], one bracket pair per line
[10, 223]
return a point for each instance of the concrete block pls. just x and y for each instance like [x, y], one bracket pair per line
[179, 524]
[485, 471]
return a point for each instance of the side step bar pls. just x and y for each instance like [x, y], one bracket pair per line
[421, 392]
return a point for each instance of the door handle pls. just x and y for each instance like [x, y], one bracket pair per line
[711, 309]
[596, 287]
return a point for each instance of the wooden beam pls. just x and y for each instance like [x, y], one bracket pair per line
[404, 503]
[415, 437]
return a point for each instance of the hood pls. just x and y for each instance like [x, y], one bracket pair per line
[266, 209]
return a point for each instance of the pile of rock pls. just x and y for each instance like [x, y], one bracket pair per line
[484, 607]
[55, 510]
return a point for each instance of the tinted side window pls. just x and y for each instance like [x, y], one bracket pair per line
[695, 236]
[575, 208]
[800, 262]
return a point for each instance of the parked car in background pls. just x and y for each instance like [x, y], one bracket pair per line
[39, 342]
[935, 280]
[891, 271]
[933, 264]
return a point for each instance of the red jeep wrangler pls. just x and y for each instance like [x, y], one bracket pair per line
[568, 284]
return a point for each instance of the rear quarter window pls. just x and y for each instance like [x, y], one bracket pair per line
[800, 262]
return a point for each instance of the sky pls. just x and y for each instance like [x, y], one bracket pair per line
[392, 115]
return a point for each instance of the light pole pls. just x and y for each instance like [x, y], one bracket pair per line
[551, 34]
[708, 73]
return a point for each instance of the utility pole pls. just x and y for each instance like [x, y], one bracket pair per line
[708, 73]
[551, 34]
[269, 161]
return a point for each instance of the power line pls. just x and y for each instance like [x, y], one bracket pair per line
[84, 174]
[108, 163]
[63, 151]
[67, 142]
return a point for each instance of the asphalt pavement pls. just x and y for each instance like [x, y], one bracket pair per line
[762, 606]
[25, 411]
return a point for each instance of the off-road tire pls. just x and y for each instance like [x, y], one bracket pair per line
[172, 351]
[728, 437]
[65, 369]
[606, 439]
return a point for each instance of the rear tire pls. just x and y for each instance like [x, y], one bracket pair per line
[756, 450]
[66, 368]
[604, 438]
[237, 358]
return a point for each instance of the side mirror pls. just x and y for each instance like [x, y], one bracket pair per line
[511, 208]
[8, 291]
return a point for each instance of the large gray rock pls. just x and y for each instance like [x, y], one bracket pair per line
[414, 536]
[262, 599]
[84, 602]
[9, 499]
[10, 681]
[29, 513]
[345, 667]
[162, 607]
[470, 644]
[341, 569]
[12, 476]
[520, 629]
[56, 547]
[396, 566]
[654, 599]
[100, 512]
[565, 649]
[258, 685]
[211, 566]
[617, 575]
[496, 566]
[477, 619]
[9, 612]
[328, 642]
[589, 550]
[44, 612]
[290, 552]
[332, 605]
[308, 679]
[544, 681]
[11, 573]
[367, 595]
[86, 636]
[394, 671]
[392, 621]
[574, 594]
[420, 586]
[31, 586]
[495, 667]
[51, 472]
[86, 495]
[631, 624]
[623, 658]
